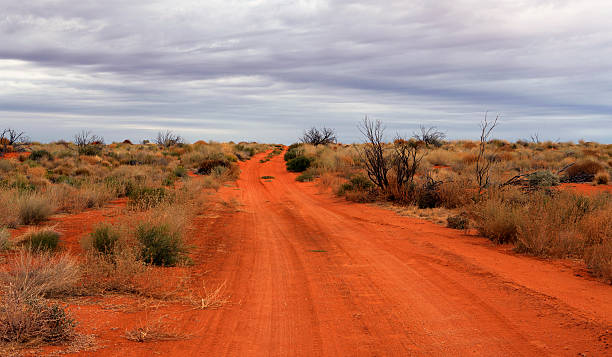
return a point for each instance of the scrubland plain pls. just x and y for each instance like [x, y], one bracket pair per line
[418, 246]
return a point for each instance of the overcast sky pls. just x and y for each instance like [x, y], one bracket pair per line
[265, 70]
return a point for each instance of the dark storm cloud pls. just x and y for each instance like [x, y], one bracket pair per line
[263, 70]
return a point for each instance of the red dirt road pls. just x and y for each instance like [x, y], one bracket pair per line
[309, 274]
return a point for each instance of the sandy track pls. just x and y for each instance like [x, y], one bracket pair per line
[310, 274]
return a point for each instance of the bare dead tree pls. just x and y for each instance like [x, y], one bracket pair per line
[317, 137]
[535, 138]
[86, 138]
[407, 157]
[168, 138]
[430, 136]
[88, 143]
[12, 140]
[483, 162]
[373, 153]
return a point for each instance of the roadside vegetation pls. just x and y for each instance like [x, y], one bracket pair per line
[517, 193]
[160, 186]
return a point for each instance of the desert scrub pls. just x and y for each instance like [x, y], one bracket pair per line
[42, 274]
[459, 221]
[41, 240]
[497, 219]
[160, 244]
[602, 178]
[9, 208]
[306, 176]
[32, 320]
[583, 171]
[542, 179]
[144, 198]
[298, 164]
[358, 189]
[34, 208]
[5, 242]
[104, 238]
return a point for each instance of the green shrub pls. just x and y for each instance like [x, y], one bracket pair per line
[90, 150]
[160, 244]
[104, 238]
[298, 164]
[543, 178]
[34, 209]
[292, 153]
[44, 240]
[39, 154]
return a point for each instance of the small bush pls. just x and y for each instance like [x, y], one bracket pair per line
[306, 177]
[104, 238]
[6, 166]
[34, 209]
[544, 178]
[43, 274]
[583, 171]
[298, 164]
[206, 166]
[42, 240]
[599, 259]
[32, 320]
[40, 154]
[146, 197]
[459, 221]
[160, 244]
[602, 178]
[5, 242]
[497, 220]
[358, 189]
[294, 151]
[180, 171]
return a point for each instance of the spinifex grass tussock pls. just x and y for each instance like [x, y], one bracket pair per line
[155, 329]
[44, 239]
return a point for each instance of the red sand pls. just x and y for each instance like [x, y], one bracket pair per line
[586, 188]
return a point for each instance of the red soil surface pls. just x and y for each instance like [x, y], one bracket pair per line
[14, 155]
[586, 188]
[310, 274]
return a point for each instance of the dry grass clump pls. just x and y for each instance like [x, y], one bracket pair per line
[44, 239]
[5, 239]
[43, 275]
[31, 320]
[602, 178]
[34, 208]
[584, 168]
[155, 330]
[9, 209]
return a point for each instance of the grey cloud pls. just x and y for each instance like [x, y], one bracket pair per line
[273, 67]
